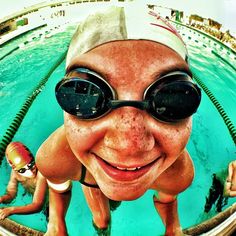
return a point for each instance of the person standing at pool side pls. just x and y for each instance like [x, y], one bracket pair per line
[24, 171]
[128, 98]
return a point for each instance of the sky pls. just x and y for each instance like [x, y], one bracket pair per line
[223, 11]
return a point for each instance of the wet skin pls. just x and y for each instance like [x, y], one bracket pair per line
[230, 183]
[128, 137]
[127, 151]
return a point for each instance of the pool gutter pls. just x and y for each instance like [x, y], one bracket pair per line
[11, 228]
[224, 221]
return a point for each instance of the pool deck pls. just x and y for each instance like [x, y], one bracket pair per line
[222, 224]
[24, 29]
[5, 232]
[11, 228]
[225, 228]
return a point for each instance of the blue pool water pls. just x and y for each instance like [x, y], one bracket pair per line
[210, 145]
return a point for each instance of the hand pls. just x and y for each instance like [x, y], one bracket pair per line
[5, 212]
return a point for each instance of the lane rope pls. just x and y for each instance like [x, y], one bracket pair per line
[230, 126]
[15, 124]
[227, 121]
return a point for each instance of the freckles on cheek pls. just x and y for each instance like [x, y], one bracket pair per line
[178, 137]
[77, 135]
[184, 135]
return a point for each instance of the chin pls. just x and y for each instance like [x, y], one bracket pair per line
[125, 196]
[123, 192]
[32, 176]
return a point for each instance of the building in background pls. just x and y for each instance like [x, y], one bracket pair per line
[55, 14]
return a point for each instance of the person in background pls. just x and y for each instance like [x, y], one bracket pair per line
[24, 171]
[230, 184]
[128, 98]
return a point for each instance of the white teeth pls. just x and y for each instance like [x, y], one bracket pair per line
[130, 169]
[119, 168]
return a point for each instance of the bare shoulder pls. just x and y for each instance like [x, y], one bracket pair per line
[177, 177]
[55, 160]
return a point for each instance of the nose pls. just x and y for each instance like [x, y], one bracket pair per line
[129, 133]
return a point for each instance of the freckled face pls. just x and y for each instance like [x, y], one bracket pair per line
[127, 149]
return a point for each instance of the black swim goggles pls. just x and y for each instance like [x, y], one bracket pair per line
[29, 167]
[171, 98]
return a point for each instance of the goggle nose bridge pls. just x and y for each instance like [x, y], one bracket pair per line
[142, 105]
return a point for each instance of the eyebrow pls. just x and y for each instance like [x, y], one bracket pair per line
[172, 67]
[179, 67]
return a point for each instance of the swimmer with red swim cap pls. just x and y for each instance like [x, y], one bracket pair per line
[127, 98]
[21, 160]
[24, 171]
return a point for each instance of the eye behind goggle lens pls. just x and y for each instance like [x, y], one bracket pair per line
[30, 166]
[82, 98]
[175, 101]
[22, 170]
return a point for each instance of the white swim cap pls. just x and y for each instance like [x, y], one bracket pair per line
[124, 23]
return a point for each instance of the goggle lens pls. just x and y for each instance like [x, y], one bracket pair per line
[171, 98]
[29, 167]
[80, 97]
[174, 100]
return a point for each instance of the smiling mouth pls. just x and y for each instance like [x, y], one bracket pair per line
[125, 173]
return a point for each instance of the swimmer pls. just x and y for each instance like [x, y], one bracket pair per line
[128, 98]
[24, 171]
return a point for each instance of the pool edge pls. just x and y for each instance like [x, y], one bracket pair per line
[204, 227]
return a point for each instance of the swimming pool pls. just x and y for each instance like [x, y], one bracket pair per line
[211, 145]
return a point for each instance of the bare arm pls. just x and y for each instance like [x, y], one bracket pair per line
[58, 165]
[99, 206]
[35, 206]
[169, 184]
[11, 190]
[58, 205]
[230, 194]
[231, 167]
